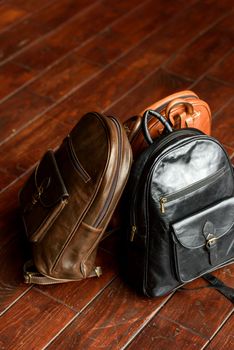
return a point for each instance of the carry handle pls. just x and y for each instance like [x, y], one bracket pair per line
[178, 102]
[145, 124]
[131, 126]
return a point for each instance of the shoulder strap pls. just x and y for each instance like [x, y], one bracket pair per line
[33, 276]
[228, 292]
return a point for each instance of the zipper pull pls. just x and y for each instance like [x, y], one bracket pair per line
[133, 231]
[163, 200]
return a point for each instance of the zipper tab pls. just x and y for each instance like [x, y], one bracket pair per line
[163, 200]
[133, 231]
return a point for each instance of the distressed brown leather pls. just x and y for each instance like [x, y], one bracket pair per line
[183, 109]
[69, 199]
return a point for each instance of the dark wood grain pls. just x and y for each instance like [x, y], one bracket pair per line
[224, 70]
[78, 294]
[13, 248]
[223, 126]
[32, 325]
[136, 63]
[12, 77]
[158, 85]
[39, 24]
[201, 310]
[103, 49]
[110, 321]
[65, 39]
[224, 340]
[122, 35]
[214, 93]
[10, 14]
[20, 109]
[30, 5]
[211, 45]
[164, 334]
[21, 73]
[175, 34]
[44, 134]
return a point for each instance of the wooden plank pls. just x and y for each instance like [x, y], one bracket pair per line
[224, 340]
[67, 38]
[226, 275]
[177, 33]
[12, 77]
[33, 321]
[17, 73]
[79, 294]
[30, 5]
[20, 109]
[131, 29]
[13, 248]
[212, 45]
[38, 24]
[156, 86]
[47, 132]
[202, 310]
[10, 14]
[43, 54]
[224, 70]
[223, 127]
[102, 49]
[110, 321]
[17, 155]
[161, 333]
[137, 62]
[214, 93]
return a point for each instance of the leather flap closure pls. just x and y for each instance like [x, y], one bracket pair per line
[192, 232]
[42, 197]
[45, 186]
[49, 181]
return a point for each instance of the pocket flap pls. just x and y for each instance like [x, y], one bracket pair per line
[190, 232]
[42, 197]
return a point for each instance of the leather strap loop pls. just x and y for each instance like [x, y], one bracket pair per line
[158, 116]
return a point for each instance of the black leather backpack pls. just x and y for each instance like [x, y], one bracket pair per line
[181, 223]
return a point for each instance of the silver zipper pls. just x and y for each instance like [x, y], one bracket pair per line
[191, 188]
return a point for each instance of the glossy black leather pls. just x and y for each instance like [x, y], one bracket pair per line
[170, 248]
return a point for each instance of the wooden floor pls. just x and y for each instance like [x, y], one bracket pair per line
[58, 60]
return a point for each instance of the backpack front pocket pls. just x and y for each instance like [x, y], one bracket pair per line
[42, 198]
[204, 241]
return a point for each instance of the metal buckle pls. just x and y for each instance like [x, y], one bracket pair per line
[98, 271]
[27, 277]
[210, 241]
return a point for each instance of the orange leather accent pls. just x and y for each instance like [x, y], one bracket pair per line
[183, 109]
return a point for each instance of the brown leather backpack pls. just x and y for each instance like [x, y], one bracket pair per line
[69, 199]
[183, 109]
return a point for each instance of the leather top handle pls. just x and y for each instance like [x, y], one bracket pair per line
[131, 126]
[179, 102]
[145, 124]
